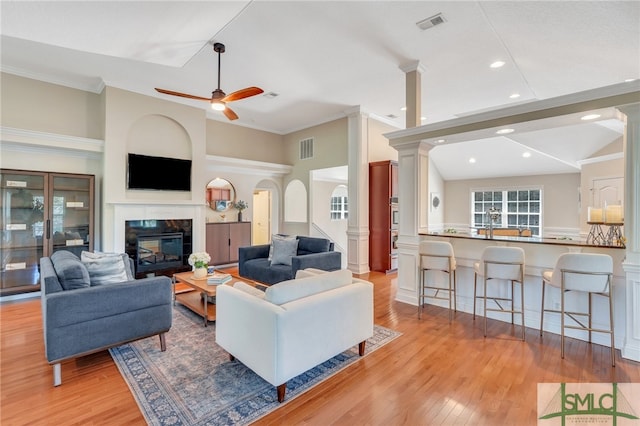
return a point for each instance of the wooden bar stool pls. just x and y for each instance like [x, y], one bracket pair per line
[437, 256]
[500, 263]
[589, 273]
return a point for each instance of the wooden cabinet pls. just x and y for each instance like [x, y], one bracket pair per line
[41, 213]
[224, 239]
[383, 216]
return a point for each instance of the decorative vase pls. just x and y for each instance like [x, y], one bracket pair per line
[199, 273]
[239, 215]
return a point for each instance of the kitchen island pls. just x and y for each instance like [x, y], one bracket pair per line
[540, 255]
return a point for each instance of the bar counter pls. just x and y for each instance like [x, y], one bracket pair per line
[541, 254]
[531, 240]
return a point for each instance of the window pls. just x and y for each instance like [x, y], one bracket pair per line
[520, 208]
[339, 209]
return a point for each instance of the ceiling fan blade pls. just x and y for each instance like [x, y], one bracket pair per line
[182, 95]
[230, 114]
[242, 93]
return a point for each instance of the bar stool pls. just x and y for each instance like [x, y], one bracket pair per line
[585, 273]
[500, 263]
[437, 256]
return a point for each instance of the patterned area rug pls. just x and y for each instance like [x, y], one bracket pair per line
[194, 383]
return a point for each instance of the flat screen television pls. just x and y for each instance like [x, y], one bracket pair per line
[158, 173]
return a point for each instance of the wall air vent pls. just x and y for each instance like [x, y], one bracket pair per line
[306, 148]
[431, 22]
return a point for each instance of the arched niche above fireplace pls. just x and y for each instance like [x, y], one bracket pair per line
[220, 194]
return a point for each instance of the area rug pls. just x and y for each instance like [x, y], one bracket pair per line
[194, 383]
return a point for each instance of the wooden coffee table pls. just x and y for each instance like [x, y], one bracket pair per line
[195, 298]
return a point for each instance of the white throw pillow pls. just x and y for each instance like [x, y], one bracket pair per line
[287, 291]
[283, 251]
[107, 268]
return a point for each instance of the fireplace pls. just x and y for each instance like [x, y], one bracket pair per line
[158, 252]
[159, 246]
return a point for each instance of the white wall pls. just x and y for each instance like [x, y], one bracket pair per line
[335, 229]
[436, 188]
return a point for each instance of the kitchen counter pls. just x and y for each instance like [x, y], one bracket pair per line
[531, 240]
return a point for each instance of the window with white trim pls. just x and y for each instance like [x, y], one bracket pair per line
[520, 208]
[339, 209]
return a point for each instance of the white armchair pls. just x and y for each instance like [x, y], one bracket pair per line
[294, 325]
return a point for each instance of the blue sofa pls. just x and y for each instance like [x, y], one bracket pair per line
[312, 252]
[80, 318]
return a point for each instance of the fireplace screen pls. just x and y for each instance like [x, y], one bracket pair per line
[160, 251]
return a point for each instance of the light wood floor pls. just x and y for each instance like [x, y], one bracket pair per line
[435, 373]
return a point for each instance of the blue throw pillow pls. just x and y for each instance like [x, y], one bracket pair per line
[71, 272]
[283, 251]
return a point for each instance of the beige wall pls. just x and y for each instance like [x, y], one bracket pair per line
[329, 150]
[45, 107]
[229, 140]
[379, 149]
[561, 213]
[129, 119]
[599, 170]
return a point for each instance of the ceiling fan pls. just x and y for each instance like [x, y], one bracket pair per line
[218, 98]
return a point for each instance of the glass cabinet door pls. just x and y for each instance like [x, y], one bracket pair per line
[71, 222]
[22, 202]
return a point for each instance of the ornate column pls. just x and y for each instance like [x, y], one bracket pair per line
[358, 220]
[631, 265]
[413, 203]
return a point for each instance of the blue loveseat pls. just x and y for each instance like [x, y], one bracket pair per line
[312, 252]
[81, 316]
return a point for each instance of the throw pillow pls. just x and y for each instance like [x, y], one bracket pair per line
[288, 291]
[71, 272]
[107, 268]
[283, 251]
[277, 237]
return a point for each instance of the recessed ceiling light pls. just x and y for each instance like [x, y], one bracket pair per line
[589, 117]
[526, 154]
[423, 118]
[514, 95]
[629, 80]
[439, 141]
[472, 160]
[504, 131]
[403, 109]
[497, 64]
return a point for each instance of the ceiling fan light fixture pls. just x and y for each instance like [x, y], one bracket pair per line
[218, 106]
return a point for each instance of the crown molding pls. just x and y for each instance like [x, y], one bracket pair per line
[601, 158]
[249, 167]
[31, 141]
[94, 85]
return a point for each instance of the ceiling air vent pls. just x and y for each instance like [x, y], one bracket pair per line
[431, 22]
[306, 148]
